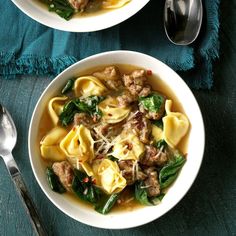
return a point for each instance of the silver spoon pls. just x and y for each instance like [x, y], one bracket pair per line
[8, 137]
[182, 20]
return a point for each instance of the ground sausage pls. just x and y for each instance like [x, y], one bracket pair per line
[110, 76]
[126, 98]
[151, 182]
[153, 115]
[79, 5]
[153, 156]
[65, 173]
[110, 130]
[141, 126]
[83, 119]
[135, 83]
[129, 172]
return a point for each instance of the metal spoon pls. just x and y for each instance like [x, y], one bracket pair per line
[8, 137]
[182, 20]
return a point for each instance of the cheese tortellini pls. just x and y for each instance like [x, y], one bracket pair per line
[110, 177]
[111, 111]
[78, 143]
[88, 85]
[49, 148]
[110, 4]
[157, 133]
[175, 125]
[128, 147]
[55, 107]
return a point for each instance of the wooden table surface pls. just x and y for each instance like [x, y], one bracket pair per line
[209, 208]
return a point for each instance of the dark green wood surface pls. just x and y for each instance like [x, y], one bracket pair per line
[209, 208]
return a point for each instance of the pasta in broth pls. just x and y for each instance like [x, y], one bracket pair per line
[67, 8]
[114, 130]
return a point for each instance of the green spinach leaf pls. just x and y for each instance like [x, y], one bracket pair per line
[153, 102]
[88, 105]
[142, 197]
[112, 158]
[156, 200]
[158, 123]
[106, 203]
[141, 194]
[67, 115]
[68, 86]
[161, 144]
[54, 182]
[170, 171]
[83, 187]
[61, 7]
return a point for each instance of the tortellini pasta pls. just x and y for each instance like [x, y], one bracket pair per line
[49, 148]
[110, 4]
[128, 147]
[55, 107]
[111, 112]
[88, 85]
[110, 177]
[157, 133]
[78, 144]
[87, 168]
[175, 125]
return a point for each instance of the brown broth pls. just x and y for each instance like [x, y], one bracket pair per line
[157, 85]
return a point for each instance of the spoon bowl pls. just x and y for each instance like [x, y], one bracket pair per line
[8, 137]
[182, 20]
[8, 133]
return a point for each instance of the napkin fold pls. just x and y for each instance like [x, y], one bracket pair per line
[29, 48]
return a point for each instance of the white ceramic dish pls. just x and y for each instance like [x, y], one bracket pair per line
[118, 220]
[79, 24]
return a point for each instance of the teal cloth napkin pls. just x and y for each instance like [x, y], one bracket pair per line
[29, 48]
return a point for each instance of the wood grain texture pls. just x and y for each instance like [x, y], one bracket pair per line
[209, 208]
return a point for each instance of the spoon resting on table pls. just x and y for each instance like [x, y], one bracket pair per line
[183, 20]
[8, 136]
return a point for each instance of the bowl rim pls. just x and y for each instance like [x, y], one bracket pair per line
[100, 22]
[190, 182]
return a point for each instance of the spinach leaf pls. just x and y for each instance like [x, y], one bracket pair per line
[80, 175]
[83, 187]
[67, 115]
[61, 7]
[85, 190]
[157, 200]
[158, 123]
[112, 158]
[161, 144]
[88, 105]
[141, 194]
[170, 171]
[153, 102]
[68, 86]
[54, 182]
[106, 203]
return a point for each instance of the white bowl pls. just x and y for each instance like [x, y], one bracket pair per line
[88, 23]
[118, 220]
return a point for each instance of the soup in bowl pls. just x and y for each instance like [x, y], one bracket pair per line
[80, 15]
[113, 137]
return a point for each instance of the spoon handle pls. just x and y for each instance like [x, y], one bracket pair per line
[24, 195]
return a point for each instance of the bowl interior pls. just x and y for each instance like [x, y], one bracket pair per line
[88, 23]
[188, 173]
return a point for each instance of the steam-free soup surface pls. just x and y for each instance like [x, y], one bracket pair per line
[126, 200]
[81, 8]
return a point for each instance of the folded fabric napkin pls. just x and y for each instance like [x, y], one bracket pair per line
[29, 48]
